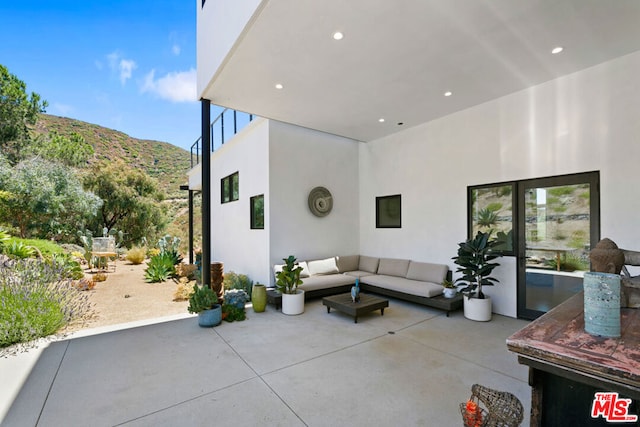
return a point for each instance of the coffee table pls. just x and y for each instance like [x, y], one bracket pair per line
[344, 304]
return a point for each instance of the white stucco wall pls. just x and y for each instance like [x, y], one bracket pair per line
[586, 121]
[301, 159]
[242, 249]
[219, 24]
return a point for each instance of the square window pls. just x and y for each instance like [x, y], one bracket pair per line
[257, 212]
[389, 212]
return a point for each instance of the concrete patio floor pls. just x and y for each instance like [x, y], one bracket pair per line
[412, 366]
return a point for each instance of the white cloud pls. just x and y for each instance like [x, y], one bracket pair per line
[177, 86]
[175, 40]
[124, 67]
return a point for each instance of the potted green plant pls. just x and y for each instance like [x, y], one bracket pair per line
[204, 302]
[450, 289]
[475, 258]
[287, 281]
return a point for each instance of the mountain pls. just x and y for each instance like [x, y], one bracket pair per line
[167, 163]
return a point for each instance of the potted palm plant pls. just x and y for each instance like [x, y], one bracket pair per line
[204, 302]
[474, 260]
[287, 282]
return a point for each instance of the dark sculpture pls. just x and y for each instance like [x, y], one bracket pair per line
[606, 257]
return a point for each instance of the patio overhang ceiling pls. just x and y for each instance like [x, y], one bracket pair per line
[397, 59]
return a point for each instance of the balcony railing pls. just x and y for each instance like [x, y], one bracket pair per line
[224, 126]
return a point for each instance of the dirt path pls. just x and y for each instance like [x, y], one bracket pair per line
[126, 297]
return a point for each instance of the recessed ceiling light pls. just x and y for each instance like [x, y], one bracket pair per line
[448, 93]
[557, 50]
[338, 35]
[381, 120]
[279, 86]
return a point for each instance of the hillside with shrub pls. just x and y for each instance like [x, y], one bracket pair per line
[166, 163]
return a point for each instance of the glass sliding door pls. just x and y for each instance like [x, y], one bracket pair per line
[558, 224]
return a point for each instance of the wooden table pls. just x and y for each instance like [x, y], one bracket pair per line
[344, 304]
[567, 365]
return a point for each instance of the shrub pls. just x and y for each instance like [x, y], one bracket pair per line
[202, 298]
[46, 248]
[84, 284]
[36, 301]
[136, 255]
[234, 280]
[231, 313]
[236, 297]
[69, 268]
[183, 290]
[186, 270]
[100, 277]
[569, 261]
[18, 250]
[4, 237]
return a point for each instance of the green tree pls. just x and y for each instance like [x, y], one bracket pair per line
[132, 202]
[18, 111]
[71, 151]
[44, 199]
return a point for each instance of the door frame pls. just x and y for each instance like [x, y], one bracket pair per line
[593, 179]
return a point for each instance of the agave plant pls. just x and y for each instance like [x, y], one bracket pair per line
[474, 258]
[160, 268]
[18, 250]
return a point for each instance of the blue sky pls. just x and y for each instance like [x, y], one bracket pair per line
[129, 65]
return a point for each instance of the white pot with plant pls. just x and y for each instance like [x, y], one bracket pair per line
[474, 260]
[287, 282]
[450, 289]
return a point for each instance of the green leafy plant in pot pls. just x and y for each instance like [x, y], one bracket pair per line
[204, 301]
[287, 281]
[474, 259]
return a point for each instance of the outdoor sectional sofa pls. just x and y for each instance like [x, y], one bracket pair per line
[419, 282]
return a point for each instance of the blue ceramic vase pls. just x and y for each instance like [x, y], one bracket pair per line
[355, 291]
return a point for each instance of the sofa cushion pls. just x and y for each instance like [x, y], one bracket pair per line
[427, 272]
[357, 273]
[304, 273]
[368, 263]
[323, 266]
[407, 286]
[325, 281]
[393, 267]
[348, 263]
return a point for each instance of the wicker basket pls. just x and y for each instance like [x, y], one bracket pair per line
[502, 408]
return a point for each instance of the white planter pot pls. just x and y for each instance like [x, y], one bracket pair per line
[449, 292]
[477, 309]
[293, 304]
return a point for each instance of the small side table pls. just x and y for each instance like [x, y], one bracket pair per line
[274, 297]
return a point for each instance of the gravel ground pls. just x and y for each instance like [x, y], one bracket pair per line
[126, 297]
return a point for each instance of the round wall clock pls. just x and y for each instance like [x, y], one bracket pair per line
[320, 201]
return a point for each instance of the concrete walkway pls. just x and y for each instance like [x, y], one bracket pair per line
[412, 366]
